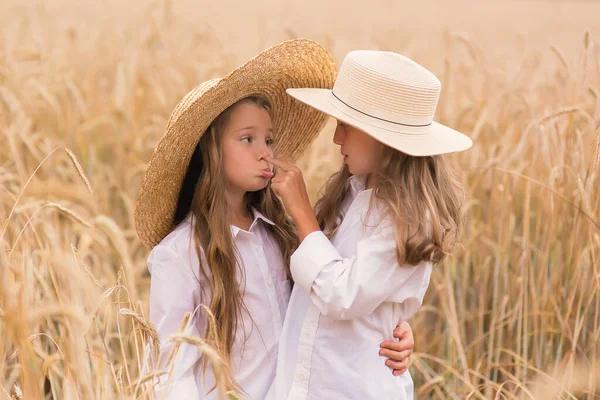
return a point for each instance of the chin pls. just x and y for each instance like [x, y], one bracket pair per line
[257, 187]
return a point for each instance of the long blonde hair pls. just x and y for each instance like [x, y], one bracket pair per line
[423, 197]
[203, 194]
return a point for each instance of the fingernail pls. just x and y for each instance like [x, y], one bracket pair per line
[380, 352]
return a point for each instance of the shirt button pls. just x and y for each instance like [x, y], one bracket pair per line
[270, 284]
[307, 334]
[301, 377]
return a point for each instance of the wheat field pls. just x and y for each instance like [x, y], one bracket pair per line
[85, 93]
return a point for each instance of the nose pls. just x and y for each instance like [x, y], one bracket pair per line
[338, 136]
[264, 151]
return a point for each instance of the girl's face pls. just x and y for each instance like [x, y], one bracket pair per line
[247, 140]
[361, 152]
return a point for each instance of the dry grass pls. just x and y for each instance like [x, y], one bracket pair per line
[515, 314]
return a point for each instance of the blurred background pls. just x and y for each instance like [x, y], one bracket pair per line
[86, 89]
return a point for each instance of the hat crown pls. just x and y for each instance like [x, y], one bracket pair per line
[389, 87]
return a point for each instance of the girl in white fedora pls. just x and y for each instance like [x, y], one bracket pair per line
[219, 236]
[389, 214]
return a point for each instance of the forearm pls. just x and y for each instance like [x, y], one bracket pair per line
[338, 286]
[306, 222]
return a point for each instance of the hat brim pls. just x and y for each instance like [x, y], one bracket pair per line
[434, 140]
[291, 64]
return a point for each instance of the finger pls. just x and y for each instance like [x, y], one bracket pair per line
[398, 372]
[401, 331]
[277, 178]
[275, 184]
[395, 355]
[398, 345]
[280, 163]
[397, 364]
[285, 166]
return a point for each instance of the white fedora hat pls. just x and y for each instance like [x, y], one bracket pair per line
[391, 98]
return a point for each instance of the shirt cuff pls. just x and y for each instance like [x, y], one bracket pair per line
[314, 253]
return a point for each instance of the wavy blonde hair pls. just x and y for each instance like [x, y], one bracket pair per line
[203, 194]
[423, 197]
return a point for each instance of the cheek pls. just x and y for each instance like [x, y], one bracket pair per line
[233, 159]
[228, 168]
[226, 155]
[369, 151]
[234, 153]
[374, 154]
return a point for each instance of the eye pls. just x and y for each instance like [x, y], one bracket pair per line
[269, 142]
[343, 125]
[246, 139]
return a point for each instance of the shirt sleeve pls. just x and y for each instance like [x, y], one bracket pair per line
[348, 288]
[175, 291]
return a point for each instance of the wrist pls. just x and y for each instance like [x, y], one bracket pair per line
[301, 211]
[306, 222]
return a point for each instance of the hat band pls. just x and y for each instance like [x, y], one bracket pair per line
[373, 116]
[377, 122]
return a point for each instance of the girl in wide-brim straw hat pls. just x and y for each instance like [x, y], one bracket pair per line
[388, 215]
[219, 236]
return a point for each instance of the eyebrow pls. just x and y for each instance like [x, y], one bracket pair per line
[250, 127]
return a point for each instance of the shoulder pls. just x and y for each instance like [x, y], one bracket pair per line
[374, 215]
[176, 248]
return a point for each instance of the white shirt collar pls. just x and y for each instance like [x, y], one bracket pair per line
[257, 215]
[235, 229]
[357, 184]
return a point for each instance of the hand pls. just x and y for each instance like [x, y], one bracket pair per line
[288, 184]
[399, 352]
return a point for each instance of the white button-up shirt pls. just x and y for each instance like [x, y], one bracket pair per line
[349, 295]
[177, 288]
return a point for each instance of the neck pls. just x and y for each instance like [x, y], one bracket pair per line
[240, 215]
[370, 181]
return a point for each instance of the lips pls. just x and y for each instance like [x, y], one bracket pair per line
[267, 173]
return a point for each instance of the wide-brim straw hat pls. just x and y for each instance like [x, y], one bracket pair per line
[391, 98]
[291, 64]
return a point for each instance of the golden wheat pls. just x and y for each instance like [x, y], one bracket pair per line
[514, 314]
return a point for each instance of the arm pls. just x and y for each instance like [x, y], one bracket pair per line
[174, 291]
[289, 184]
[347, 288]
